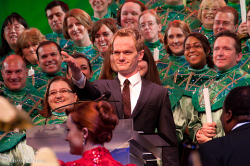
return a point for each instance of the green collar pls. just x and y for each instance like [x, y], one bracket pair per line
[153, 45]
[221, 74]
[207, 31]
[197, 71]
[174, 7]
[16, 95]
[58, 34]
[177, 58]
[49, 76]
[95, 19]
[77, 48]
[59, 114]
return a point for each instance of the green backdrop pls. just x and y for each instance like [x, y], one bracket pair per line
[33, 11]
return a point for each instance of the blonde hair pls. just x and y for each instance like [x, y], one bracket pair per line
[32, 35]
[81, 16]
[221, 3]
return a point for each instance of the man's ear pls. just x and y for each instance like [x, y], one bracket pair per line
[140, 55]
[239, 56]
[229, 116]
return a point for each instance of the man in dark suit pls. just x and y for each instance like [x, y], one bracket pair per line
[234, 148]
[150, 105]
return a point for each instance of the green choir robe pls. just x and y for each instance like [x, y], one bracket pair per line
[219, 87]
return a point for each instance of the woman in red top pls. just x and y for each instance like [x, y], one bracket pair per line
[89, 125]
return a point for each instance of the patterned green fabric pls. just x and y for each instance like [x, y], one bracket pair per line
[171, 65]
[56, 118]
[159, 45]
[170, 13]
[41, 80]
[219, 86]
[152, 4]
[244, 63]
[28, 97]
[14, 151]
[206, 32]
[92, 54]
[95, 19]
[186, 82]
[59, 39]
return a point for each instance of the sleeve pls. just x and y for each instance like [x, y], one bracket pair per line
[170, 155]
[89, 92]
[194, 125]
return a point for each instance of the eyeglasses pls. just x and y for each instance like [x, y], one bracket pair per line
[224, 23]
[16, 28]
[196, 47]
[149, 24]
[61, 91]
[206, 9]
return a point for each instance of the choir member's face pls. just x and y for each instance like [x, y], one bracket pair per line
[76, 30]
[12, 32]
[29, 53]
[50, 59]
[130, 14]
[224, 21]
[85, 68]
[99, 6]
[149, 27]
[60, 94]
[224, 53]
[14, 73]
[207, 15]
[194, 53]
[55, 19]
[175, 40]
[103, 38]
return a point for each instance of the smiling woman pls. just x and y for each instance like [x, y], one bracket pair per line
[174, 37]
[128, 14]
[77, 26]
[60, 92]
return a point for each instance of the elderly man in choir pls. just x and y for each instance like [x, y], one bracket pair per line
[55, 12]
[226, 55]
[15, 87]
[232, 149]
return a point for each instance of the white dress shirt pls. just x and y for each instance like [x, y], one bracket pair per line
[134, 87]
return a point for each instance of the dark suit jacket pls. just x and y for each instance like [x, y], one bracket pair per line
[153, 110]
[230, 150]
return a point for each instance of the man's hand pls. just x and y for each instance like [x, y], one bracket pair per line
[209, 129]
[201, 138]
[75, 68]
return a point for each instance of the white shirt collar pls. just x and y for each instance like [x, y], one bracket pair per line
[239, 124]
[134, 79]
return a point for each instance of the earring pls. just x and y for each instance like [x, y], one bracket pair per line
[83, 142]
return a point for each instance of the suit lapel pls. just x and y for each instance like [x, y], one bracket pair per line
[115, 89]
[146, 89]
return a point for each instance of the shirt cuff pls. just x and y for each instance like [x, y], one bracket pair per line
[80, 83]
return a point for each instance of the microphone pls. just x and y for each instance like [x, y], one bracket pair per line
[104, 96]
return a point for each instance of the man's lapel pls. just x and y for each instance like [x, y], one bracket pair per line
[115, 89]
[146, 89]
